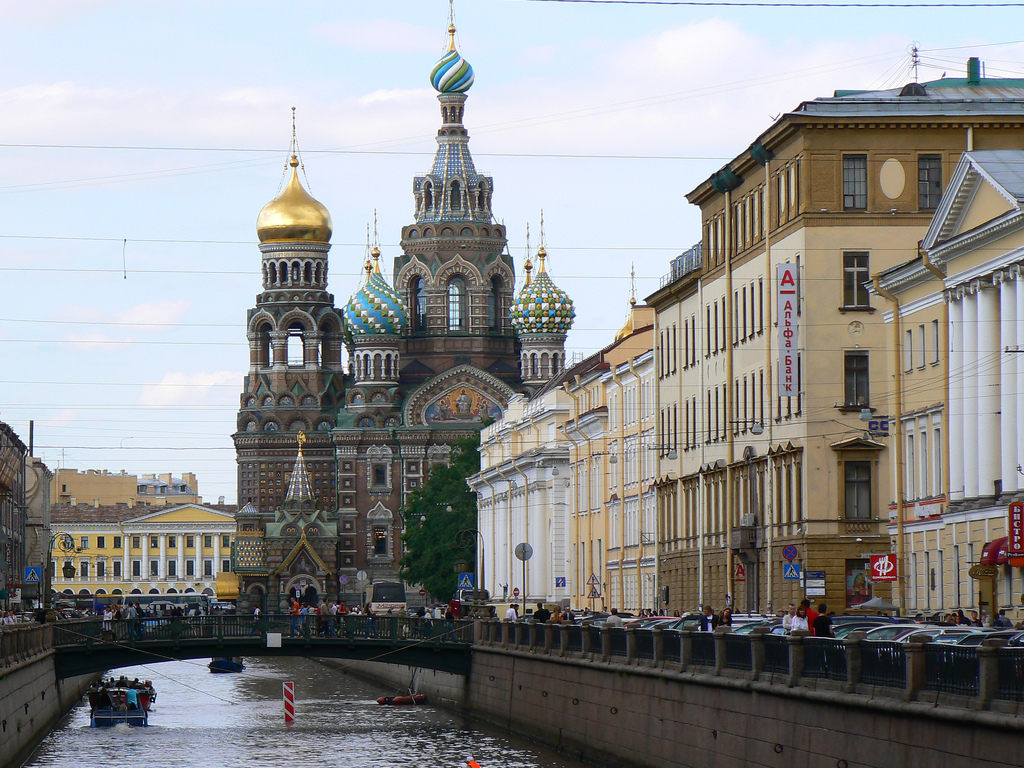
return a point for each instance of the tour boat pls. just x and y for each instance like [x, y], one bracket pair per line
[416, 698]
[227, 664]
[104, 716]
[107, 718]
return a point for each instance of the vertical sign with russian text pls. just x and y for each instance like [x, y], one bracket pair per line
[1015, 526]
[789, 330]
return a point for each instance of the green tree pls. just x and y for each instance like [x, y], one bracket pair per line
[434, 514]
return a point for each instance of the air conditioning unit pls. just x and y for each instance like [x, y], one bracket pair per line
[748, 521]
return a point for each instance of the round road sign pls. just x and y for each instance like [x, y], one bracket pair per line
[423, 593]
[789, 552]
[515, 592]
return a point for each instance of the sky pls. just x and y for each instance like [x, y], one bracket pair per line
[139, 141]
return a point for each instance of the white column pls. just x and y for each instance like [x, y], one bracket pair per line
[163, 555]
[955, 438]
[126, 563]
[968, 447]
[1019, 358]
[988, 435]
[216, 555]
[1008, 381]
[144, 537]
[180, 575]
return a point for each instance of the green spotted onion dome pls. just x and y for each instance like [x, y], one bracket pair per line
[542, 307]
[376, 308]
[452, 73]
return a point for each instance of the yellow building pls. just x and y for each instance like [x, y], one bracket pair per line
[782, 486]
[131, 550]
[105, 488]
[960, 412]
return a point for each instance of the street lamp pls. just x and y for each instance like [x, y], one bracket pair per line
[65, 543]
[467, 537]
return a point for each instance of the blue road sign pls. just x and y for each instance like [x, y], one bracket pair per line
[559, 581]
[33, 574]
[791, 571]
[465, 581]
[343, 579]
[789, 552]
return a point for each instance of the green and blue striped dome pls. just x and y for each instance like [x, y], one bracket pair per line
[452, 74]
[376, 308]
[542, 307]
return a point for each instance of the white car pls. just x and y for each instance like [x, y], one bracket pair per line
[901, 633]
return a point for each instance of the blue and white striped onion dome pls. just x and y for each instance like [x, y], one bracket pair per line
[452, 74]
[376, 308]
[542, 307]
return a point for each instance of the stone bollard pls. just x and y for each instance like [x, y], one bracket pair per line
[720, 650]
[988, 670]
[505, 625]
[606, 643]
[630, 645]
[585, 642]
[478, 631]
[685, 648]
[563, 644]
[549, 638]
[757, 652]
[658, 640]
[796, 656]
[916, 671]
[494, 631]
[854, 660]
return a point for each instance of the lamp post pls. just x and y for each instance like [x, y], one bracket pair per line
[466, 538]
[65, 543]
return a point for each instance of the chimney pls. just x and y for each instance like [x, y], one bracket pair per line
[96, 502]
[974, 71]
[220, 500]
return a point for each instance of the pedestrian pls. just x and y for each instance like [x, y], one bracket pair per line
[787, 620]
[556, 615]
[725, 618]
[512, 614]
[810, 613]
[255, 621]
[614, 620]
[800, 620]
[708, 620]
[823, 622]
[294, 611]
[542, 615]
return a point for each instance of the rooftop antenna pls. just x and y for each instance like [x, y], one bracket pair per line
[632, 284]
[915, 59]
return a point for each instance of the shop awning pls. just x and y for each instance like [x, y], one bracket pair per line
[994, 552]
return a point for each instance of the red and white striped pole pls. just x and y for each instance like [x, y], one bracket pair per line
[289, 703]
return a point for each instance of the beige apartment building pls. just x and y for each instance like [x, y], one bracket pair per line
[95, 486]
[955, 314]
[778, 396]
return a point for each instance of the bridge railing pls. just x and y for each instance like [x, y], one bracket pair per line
[989, 675]
[19, 642]
[233, 627]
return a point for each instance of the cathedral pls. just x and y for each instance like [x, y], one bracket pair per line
[346, 409]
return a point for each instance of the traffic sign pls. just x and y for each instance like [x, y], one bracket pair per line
[593, 581]
[361, 576]
[343, 579]
[515, 592]
[33, 574]
[465, 581]
[423, 592]
[791, 571]
[815, 583]
[741, 572]
[594, 593]
[524, 551]
[559, 581]
[883, 568]
[790, 552]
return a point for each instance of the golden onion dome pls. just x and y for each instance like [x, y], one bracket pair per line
[294, 215]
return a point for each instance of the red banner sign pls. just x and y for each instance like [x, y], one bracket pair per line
[884, 568]
[1015, 535]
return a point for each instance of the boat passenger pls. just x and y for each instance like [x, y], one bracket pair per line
[132, 698]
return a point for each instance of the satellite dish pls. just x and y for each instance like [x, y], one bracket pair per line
[524, 551]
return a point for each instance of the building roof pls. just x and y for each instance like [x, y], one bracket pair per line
[1005, 166]
[117, 513]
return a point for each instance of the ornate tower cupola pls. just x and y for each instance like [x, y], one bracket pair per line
[542, 315]
[376, 317]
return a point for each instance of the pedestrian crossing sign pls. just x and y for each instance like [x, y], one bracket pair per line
[791, 571]
[465, 581]
[594, 593]
[33, 574]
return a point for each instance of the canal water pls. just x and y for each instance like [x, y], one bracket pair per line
[224, 721]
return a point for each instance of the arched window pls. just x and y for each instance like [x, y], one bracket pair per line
[428, 196]
[554, 363]
[295, 346]
[418, 304]
[273, 273]
[457, 304]
[308, 273]
[533, 366]
[456, 196]
[282, 272]
[296, 272]
[494, 317]
[263, 342]
[481, 196]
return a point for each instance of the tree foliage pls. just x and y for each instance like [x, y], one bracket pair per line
[435, 514]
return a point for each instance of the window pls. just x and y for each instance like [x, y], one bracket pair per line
[855, 275]
[207, 568]
[494, 314]
[855, 182]
[929, 181]
[172, 542]
[85, 542]
[418, 303]
[921, 351]
[207, 541]
[101, 542]
[935, 342]
[154, 567]
[456, 196]
[136, 542]
[380, 474]
[172, 567]
[154, 542]
[117, 569]
[85, 569]
[908, 351]
[117, 542]
[225, 566]
[190, 541]
[190, 567]
[225, 541]
[380, 540]
[457, 304]
[136, 568]
[101, 570]
[858, 490]
[856, 379]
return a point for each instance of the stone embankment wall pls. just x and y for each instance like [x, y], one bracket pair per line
[614, 714]
[32, 700]
[442, 688]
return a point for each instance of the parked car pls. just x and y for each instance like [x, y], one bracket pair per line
[902, 633]
[1013, 637]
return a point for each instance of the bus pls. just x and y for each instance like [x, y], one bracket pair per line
[388, 596]
[190, 601]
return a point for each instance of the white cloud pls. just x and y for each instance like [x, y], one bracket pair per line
[379, 35]
[154, 316]
[62, 419]
[178, 387]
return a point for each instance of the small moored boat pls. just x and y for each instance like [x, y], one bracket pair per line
[416, 698]
[226, 664]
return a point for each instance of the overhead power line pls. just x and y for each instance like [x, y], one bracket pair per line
[746, 4]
